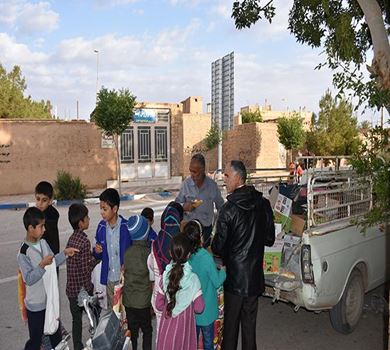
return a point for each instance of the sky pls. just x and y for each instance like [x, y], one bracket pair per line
[161, 50]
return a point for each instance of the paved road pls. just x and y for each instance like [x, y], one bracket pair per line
[279, 327]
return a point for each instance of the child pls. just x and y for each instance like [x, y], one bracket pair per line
[33, 256]
[160, 256]
[112, 240]
[137, 290]
[44, 195]
[203, 265]
[148, 213]
[179, 297]
[298, 172]
[43, 201]
[78, 268]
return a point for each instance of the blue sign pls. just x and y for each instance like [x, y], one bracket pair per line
[144, 116]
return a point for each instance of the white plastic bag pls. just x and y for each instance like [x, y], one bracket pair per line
[52, 314]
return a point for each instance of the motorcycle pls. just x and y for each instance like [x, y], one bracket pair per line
[105, 330]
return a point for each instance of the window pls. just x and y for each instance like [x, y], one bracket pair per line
[144, 146]
[161, 137]
[163, 116]
[127, 146]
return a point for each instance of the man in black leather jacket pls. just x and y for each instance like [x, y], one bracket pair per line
[245, 224]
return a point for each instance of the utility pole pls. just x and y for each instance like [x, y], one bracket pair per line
[97, 71]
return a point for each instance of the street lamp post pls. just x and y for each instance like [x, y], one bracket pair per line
[97, 71]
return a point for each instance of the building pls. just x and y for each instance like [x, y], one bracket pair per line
[155, 150]
[222, 92]
[270, 115]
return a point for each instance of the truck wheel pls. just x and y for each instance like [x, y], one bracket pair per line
[345, 316]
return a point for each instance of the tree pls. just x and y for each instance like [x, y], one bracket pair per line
[373, 159]
[335, 131]
[348, 31]
[291, 133]
[251, 117]
[213, 137]
[113, 113]
[13, 104]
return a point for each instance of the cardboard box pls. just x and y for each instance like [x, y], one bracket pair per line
[298, 223]
[283, 205]
[283, 220]
[273, 196]
[272, 262]
[273, 257]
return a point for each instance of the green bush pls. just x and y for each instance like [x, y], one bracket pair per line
[68, 187]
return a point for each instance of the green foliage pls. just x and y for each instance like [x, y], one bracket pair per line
[251, 117]
[68, 187]
[351, 81]
[213, 137]
[290, 131]
[373, 159]
[248, 12]
[337, 26]
[365, 125]
[335, 132]
[114, 110]
[13, 104]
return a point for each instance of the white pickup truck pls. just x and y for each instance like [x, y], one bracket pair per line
[333, 264]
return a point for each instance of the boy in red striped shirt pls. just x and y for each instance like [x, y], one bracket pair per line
[79, 268]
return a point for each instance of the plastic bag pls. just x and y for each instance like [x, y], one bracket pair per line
[117, 304]
[21, 296]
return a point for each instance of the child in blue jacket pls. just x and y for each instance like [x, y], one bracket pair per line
[112, 240]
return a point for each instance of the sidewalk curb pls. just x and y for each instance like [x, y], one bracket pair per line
[62, 203]
[13, 205]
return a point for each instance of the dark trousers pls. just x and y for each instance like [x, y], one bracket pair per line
[239, 311]
[36, 323]
[77, 323]
[206, 236]
[136, 319]
[207, 335]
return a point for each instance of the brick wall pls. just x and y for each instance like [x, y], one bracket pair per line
[32, 151]
[195, 128]
[256, 144]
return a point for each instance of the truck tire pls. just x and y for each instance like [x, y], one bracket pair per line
[345, 316]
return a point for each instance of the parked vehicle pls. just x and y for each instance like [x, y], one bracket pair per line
[332, 263]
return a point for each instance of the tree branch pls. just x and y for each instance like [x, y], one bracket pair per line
[380, 67]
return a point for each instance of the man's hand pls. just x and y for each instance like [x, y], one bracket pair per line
[47, 260]
[98, 248]
[70, 251]
[187, 206]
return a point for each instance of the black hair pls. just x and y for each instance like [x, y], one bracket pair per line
[198, 157]
[148, 213]
[194, 230]
[178, 207]
[111, 197]
[239, 168]
[180, 250]
[76, 213]
[45, 188]
[33, 216]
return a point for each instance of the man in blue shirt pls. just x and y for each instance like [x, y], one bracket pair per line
[198, 194]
